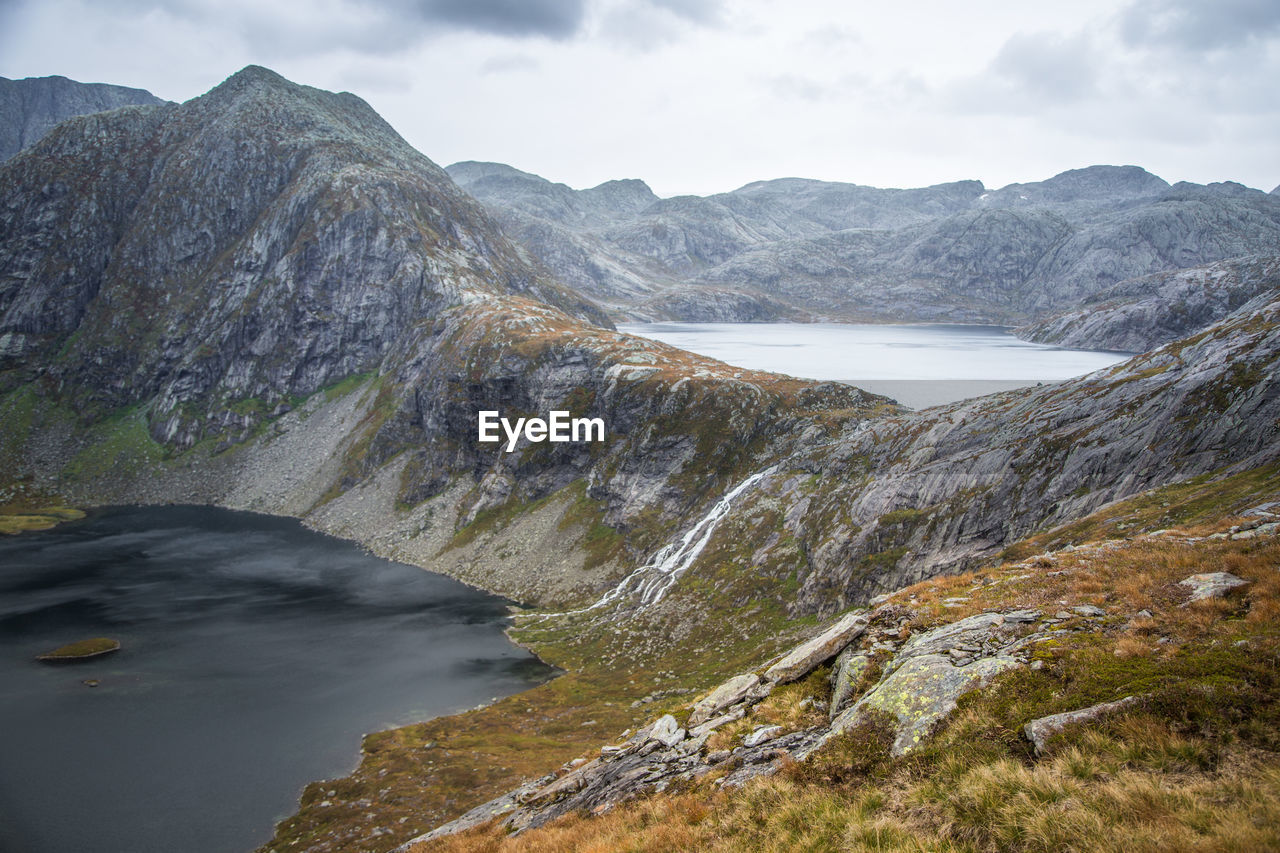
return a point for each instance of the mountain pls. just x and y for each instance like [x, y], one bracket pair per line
[254, 244]
[1147, 312]
[29, 108]
[265, 299]
[955, 252]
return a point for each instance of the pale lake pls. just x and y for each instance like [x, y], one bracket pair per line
[918, 365]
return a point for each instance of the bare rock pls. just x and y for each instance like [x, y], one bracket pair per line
[1211, 585]
[762, 734]
[920, 694]
[804, 658]
[1039, 731]
[666, 731]
[730, 693]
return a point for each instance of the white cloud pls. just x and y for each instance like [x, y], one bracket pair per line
[702, 95]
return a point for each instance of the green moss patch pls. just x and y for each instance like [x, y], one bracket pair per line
[81, 650]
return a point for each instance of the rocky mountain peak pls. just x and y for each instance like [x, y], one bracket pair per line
[255, 243]
[625, 195]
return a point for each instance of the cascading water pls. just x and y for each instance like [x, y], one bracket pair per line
[655, 578]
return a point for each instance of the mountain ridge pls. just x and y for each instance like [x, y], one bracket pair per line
[794, 248]
[32, 106]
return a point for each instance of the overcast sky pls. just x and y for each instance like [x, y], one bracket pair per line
[702, 96]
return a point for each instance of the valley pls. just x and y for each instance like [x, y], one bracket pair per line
[264, 299]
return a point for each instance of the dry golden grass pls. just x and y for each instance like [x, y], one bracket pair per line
[1195, 767]
[1077, 801]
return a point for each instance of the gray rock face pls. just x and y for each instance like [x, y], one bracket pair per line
[225, 255]
[957, 252]
[907, 498]
[31, 107]
[804, 658]
[845, 677]
[1143, 313]
[731, 692]
[920, 694]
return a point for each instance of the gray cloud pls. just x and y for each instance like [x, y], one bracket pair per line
[1199, 25]
[646, 24]
[700, 11]
[1048, 65]
[557, 19]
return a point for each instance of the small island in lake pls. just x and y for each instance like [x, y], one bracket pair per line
[81, 650]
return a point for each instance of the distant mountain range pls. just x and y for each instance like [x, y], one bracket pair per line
[29, 108]
[794, 248]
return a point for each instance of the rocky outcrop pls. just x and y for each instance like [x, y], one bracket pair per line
[31, 107]
[1144, 313]
[918, 692]
[1211, 585]
[932, 669]
[801, 660]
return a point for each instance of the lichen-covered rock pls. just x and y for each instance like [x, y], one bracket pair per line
[845, 678]
[920, 694]
[968, 631]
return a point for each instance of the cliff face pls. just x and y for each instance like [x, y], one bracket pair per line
[1143, 313]
[29, 108]
[953, 252]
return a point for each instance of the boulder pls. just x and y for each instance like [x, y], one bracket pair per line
[970, 631]
[921, 693]
[666, 731]
[730, 693]
[807, 656]
[1211, 585]
[846, 677]
[761, 735]
[1039, 731]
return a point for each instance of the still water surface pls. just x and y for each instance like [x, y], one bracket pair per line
[920, 365]
[255, 654]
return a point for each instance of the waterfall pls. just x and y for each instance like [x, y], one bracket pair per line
[655, 578]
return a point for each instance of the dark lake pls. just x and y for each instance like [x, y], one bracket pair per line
[255, 654]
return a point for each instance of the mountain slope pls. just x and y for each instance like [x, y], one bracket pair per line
[953, 252]
[222, 256]
[1143, 313]
[29, 108]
